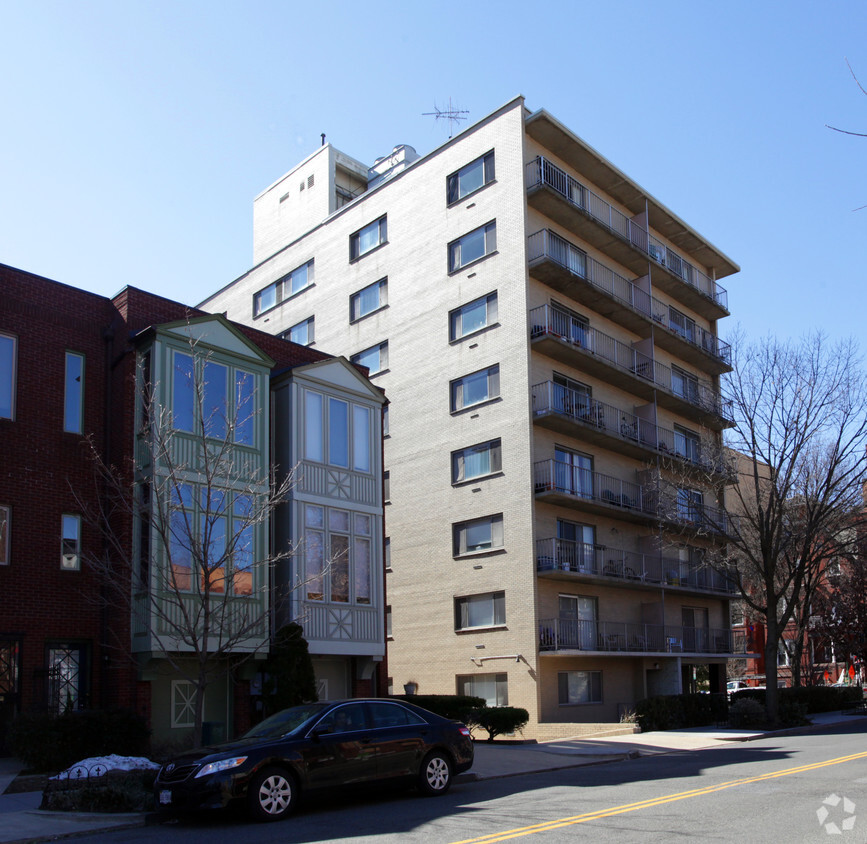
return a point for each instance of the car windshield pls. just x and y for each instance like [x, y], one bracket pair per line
[285, 721]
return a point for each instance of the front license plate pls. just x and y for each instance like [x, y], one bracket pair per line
[165, 797]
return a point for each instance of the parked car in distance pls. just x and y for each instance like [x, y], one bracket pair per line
[318, 746]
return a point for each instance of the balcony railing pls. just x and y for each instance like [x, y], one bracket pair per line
[547, 245]
[549, 397]
[558, 322]
[702, 517]
[542, 172]
[581, 558]
[557, 634]
[566, 479]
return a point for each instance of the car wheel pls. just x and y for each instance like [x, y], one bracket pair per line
[435, 775]
[271, 794]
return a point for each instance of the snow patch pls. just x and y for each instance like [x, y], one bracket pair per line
[98, 766]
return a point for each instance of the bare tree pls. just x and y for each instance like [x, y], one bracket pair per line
[800, 413]
[846, 131]
[185, 526]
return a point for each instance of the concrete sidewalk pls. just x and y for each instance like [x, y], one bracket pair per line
[21, 820]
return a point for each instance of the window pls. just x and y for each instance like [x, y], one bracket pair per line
[368, 299]
[67, 676]
[575, 548]
[576, 687]
[785, 652]
[684, 384]
[300, 333]
[339, 429]
[73, 393]
[183, 703]
[225, 411]
[470, 178]
[367, 239]
[480, 611]
[574, 474]
[689, 504]
[375, 358]
[475, 388]
[476, 461]
[578, 621]
[472, 317]
[494, 688]
[8, 354]
[485, 534]
[472, 246]
[338, 552]
[687, 444]
[388, 553]
[70, 542]
[284, 288]
[681, 324]
[5, 524]
[388, 632]
[386, 486]
[385, 415]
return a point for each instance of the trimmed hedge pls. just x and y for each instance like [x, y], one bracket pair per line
[54, 742]
[499, 720]
[458, 707]
[675, 712]
[812, 698]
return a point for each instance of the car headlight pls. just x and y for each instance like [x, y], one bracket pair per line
[222, 765]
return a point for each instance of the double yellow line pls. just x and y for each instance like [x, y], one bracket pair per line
[559, 823]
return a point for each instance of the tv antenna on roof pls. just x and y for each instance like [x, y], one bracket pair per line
[452, 114]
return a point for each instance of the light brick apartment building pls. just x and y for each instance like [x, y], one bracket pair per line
[546, 332]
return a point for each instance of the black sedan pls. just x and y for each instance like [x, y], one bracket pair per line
[319, 746]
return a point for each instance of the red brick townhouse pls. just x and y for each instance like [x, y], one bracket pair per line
[69, 364]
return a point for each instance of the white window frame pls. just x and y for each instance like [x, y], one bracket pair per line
[5, 534]
[317, 434]
[455, 191]
[593, 683]
[493, 603]
[283, 288]
[457, 388]
[355, 300]
[457, 260]
[381, 349]
[12, 347]
[461, 530]
[379, 227]
[468, 684]
[493, 448]
[456, 317]
[184, 704]
[70, 554]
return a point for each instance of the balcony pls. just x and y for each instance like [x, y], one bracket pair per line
[572, 486]
[565, 559]
[574, 413]
[569, 634]
[564, 267]
[564, 337]
[564, 199]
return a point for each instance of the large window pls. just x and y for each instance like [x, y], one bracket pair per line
[73, 393]
[475, 611]
[67, 677]
[8, 355]
[70, 542]
[338, 555]
[472, 246]
[301, 333]
[476, 461]
[284, 288]
[576, 687]
[684, 384]
[367, 239]
[494, 688]
[687, 444]
[375, 358]
[337, 432]
[472, 317]
[470, 178]
[220, 398]
[5, 525]
[368, 299]
[690, 504]
[478, 535]
[475, 388]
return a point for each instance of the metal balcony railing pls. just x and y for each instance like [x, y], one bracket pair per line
[556, 634]
[702, 517]
[566, 555]
[547, 245]
[557, 476]
[549, 397]
[558, 322]
[542, 172]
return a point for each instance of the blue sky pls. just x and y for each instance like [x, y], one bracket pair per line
[135, 135]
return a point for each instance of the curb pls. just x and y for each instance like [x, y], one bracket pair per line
[471, 776]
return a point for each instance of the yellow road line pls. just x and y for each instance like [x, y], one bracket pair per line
[655, 801]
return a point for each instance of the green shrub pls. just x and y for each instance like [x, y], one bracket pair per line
[54, 742]
[663, 712]
[499, 720]
[791, 713]
[117, 791]
[458, 707]
[747, 713]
